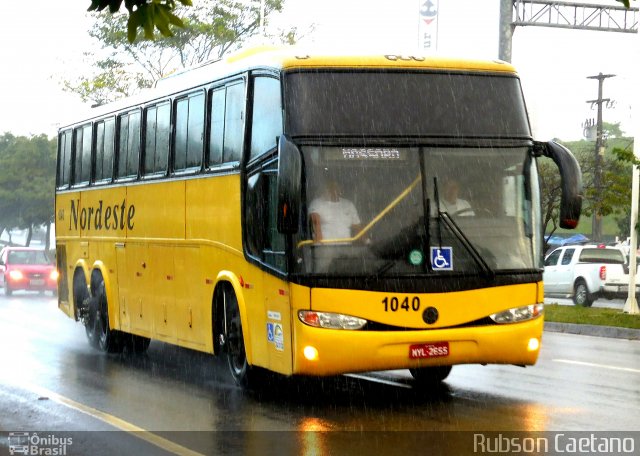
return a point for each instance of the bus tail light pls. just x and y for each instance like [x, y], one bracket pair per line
[330, 320]
[518, 314]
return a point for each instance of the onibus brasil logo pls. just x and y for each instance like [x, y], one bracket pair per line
[28, 443]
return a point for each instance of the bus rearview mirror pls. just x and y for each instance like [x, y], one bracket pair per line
[571, 178]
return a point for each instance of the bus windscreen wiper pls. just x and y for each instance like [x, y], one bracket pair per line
[443, 216]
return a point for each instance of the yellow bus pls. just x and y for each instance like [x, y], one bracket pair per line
[312, 214]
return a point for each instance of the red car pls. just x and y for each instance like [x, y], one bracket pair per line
[26, 268]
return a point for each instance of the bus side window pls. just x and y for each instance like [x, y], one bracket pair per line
[82, 169]
[266, 117]
[157, 137]
[216, 135]
[233, 123]
[189, 137]
[128, 145]
[105, 132]
[64, 159]
[227, 123]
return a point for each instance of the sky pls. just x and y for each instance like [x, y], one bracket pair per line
[44, 43]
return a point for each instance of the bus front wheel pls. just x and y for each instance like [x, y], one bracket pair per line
[430, 376]
[243, 374]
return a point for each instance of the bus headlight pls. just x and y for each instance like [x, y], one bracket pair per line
[518, 314]
[330, 320]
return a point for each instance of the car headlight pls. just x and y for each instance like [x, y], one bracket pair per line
[54, 275]
[518, 314]
[15, 275]
[330, 320]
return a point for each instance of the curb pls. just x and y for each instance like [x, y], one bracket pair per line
[593, 330]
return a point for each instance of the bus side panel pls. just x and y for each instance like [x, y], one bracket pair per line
[192, 306]
[162, 291]
[154, 216]
[213, 211]
[212, 221]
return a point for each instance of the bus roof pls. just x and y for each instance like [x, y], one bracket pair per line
[290, 59]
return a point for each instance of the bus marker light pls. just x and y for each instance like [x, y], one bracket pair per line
[534, 344]
[311, 353]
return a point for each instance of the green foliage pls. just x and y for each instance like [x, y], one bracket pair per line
[612, 130]
[614, 195]
[590, 316]
[27, 176]
[210, 29]
[145, 14]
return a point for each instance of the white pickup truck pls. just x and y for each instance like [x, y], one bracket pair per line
[586, 273]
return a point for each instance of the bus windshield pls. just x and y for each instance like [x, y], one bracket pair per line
[366, 210]
[393, 103]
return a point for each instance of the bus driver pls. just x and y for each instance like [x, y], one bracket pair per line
[333, 217]
[450, 203]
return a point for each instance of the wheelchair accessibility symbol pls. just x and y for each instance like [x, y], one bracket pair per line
[442, 258]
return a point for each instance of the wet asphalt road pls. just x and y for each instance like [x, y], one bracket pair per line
[177, 401]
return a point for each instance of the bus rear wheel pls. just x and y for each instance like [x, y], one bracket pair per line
[430, 376]
[99, 332]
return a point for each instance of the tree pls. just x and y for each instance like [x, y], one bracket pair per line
[27, 176]
[159, 14]
[611, 130]
[209, 30]
[144, 14]
[612, 199]
[551, 192]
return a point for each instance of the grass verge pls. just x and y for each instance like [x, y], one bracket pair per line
[590, 316]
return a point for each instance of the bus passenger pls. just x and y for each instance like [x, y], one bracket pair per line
[333, 217]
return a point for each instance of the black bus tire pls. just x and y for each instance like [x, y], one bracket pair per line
[105, 339]
[244, 375]
[430, 376]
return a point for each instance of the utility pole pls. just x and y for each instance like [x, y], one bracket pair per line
[596, 221]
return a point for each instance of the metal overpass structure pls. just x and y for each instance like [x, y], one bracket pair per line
[567, 15]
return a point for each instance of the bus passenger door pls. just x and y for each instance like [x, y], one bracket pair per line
[263, 242]
[266, 245]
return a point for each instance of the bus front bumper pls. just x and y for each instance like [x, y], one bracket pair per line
[343, 351]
